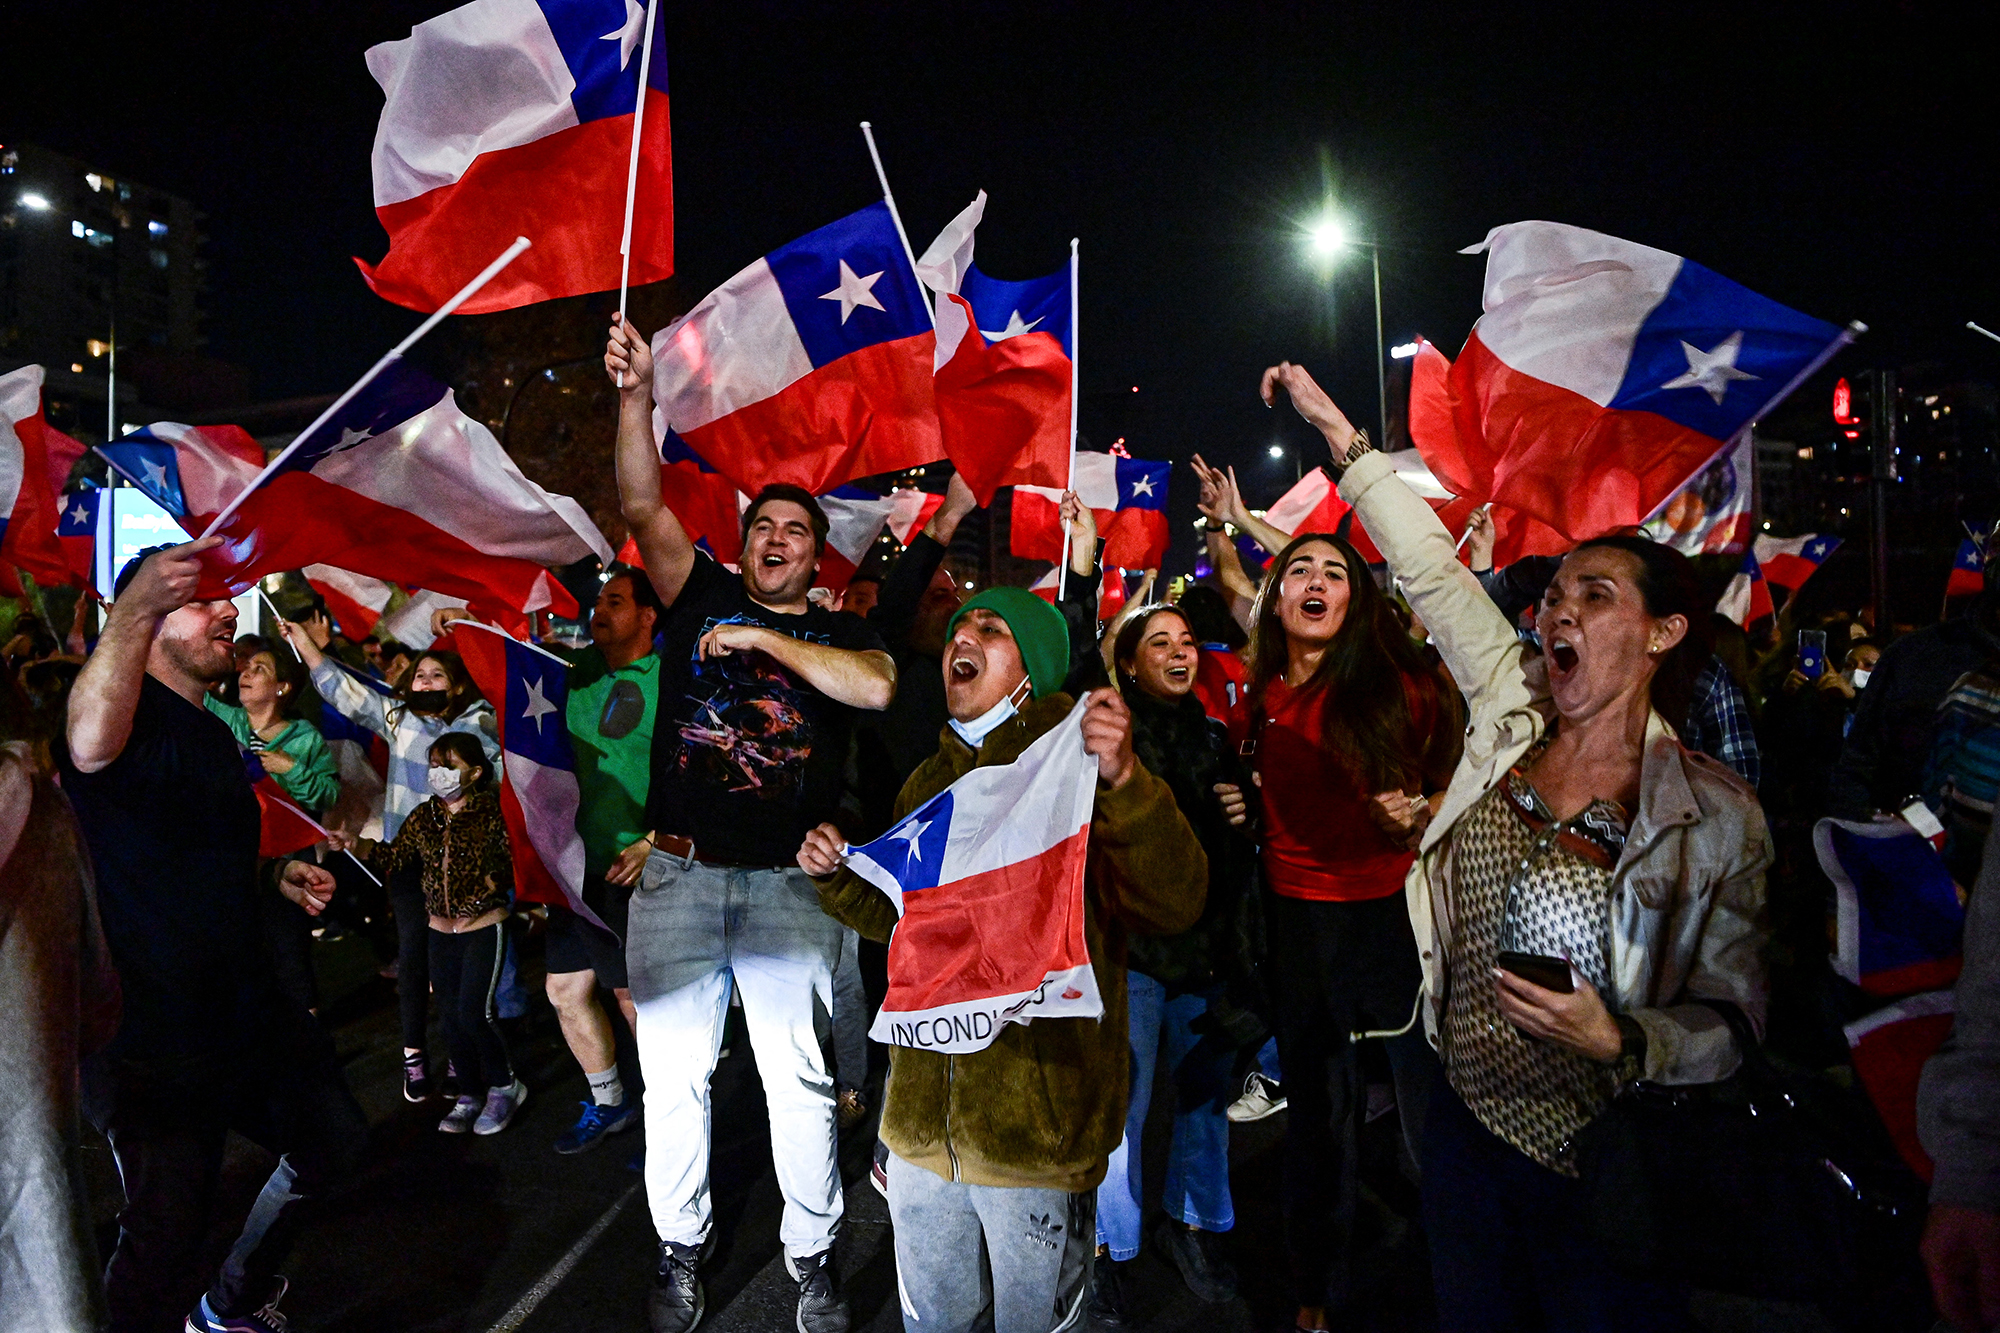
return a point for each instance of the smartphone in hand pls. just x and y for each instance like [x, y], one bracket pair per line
[1544, 971]
[1812, 653]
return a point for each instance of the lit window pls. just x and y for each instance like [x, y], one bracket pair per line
[158, 256]
[77, 229]
[76, 367]
[94, 181]
[156, 227]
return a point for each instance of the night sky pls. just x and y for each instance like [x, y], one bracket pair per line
[1836, 160]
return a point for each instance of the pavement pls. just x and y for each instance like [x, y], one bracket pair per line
[461, 1234]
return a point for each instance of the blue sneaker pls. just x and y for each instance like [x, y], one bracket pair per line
[595, 1122]
[267, 1320]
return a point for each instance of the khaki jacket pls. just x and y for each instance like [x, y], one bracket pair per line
[1044, 1105]
[1687, 895]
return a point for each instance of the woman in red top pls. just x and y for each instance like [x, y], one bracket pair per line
[1352, 728]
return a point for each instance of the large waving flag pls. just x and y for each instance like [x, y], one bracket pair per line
[399, 484]
[538, 790]
[34, 463]
[1005, 366]
[515, 117]
[1747, 599]
[1128, 496]
[987, 877]
[1899, 921]
[1711, 514]
[1789, 561]
[811, 366]
[354, 601]
[1602, 376]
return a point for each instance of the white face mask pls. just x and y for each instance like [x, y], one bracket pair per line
[975, 732]
[446, 783]
[1860, 677]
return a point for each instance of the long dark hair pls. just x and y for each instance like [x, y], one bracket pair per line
[470, 751]
[1372, 666]
[1668, 587]
[1126, 646]
[463, 693]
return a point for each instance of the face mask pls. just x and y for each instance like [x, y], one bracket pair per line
[428, 702]
[446, 783]
[975, 732]
[1860, 677]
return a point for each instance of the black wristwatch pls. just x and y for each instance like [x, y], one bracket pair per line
[1634, 1039]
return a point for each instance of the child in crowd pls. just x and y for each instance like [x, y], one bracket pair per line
[459, 842]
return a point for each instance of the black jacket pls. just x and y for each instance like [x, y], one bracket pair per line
[1882, 764]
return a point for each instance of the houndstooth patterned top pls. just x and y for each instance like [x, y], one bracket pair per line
[1525, 882]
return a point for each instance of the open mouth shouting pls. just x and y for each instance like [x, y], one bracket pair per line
[1562, 657]
[964, 670]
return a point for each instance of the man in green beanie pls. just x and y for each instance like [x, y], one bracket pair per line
[1000, 1152]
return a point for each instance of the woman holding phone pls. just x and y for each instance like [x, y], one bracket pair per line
[1585, 883]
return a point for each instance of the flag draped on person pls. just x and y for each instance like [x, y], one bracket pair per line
[511, 117]
[529, 689]
[812, 366]
[35, 461]
[1747, 599]
[1711, 515]
[1788, 562]
[1601, 377]
[988, 880]
[1004, 366]
[1128, 496]
[399, 484]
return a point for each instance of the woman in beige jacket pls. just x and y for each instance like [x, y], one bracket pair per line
[1577, 831]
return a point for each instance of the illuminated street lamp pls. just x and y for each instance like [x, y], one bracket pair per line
[35, 201]
[1329, 237]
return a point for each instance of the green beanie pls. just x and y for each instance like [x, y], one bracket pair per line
[1039, 629]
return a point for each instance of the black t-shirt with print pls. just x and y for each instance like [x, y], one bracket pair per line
[746, 757]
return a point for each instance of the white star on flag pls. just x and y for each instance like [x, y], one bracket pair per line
[1713, 370]
[78, 514]
[853, 290]
[349, 437]
[1015, 328]
[538, 705]
[156, 474]
[910, 832]
[1819, 548]
[1142, 486]
[628, 36]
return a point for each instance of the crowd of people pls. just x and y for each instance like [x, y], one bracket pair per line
[1484, 847]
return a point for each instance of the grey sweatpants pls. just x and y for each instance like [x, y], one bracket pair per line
[964, 1250]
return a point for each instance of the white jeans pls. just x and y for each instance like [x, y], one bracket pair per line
[693, 928]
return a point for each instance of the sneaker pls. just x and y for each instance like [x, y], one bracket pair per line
[448, 1085]
[459, 1119]
[416, 1078]
[1107, 1292]
[501, 1103]
[1261, 1097]
[878, 1170]
[267, 1320]
[674, 1305]
[595, 1122]
[1198, 1255]
[850, 1108]
[822, 1309]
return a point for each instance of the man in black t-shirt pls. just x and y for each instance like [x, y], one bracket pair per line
[758, 689]
[208, 1041]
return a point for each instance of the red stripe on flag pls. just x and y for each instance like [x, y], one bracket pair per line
[1004, 411]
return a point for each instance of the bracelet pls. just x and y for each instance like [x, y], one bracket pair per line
[1356, 447]
[1212, 526]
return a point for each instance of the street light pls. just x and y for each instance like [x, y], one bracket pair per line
[35, 201]
[1329, 238]
[1277, 451]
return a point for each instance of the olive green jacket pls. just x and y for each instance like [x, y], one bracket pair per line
[1044, 1105]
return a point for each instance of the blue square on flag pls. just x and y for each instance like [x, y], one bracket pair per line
[1142, 484]
[848, 286]
[600, 41]
[1008, 309]
[913, 851]
[535, 724]
[151, 465]
[79, 515]
[397, 394]
[1712, 354]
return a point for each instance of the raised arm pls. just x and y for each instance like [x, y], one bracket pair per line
[904, 586]
[348, 696]
[858, 678]
[106, 693]
[663, 543]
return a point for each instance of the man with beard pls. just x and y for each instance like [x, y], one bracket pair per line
[208, 1041]
[758, 688]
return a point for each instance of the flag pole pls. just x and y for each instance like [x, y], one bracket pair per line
[632, 170]
[1075, 395]
[395, 353]
[869, 134]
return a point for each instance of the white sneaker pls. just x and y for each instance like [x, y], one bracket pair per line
[501, 1103]
[459, 1119]
[1261, 1097]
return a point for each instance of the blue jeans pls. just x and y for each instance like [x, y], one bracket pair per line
[1197, 1190]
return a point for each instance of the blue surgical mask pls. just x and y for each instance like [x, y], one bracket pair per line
[975, 732]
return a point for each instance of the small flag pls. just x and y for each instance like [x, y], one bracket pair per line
[1314, 504]
[1128, 496]
[283, 828]
[76, 529]
[1789, 561]
[1968, 570]
[1899, 920]
[1747, 599]
[354, 601]
[508, 118]
[1889, 1049]
[988, 878]
[1111, 590]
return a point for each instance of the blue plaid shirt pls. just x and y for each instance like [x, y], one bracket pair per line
[1718, 722]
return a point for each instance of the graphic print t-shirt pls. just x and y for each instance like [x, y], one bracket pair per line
[746, 756]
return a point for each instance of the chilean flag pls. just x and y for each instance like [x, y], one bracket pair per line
[1128, 496]
[987, 877]
[76, 529]
[1747, 599]
[1899, 921]
[707, 503]
[1711, 514]
[507, 118]
[538, 790]
[399, 485]
[1968, 571]
[1789, 561]
[355, 601]
[1314, 505]
[1005, 366]
[1602, 376]
[1111, 591]
[35, 461]
[283, 828]
[1889, 1049]
[812, 366]
[855, 518]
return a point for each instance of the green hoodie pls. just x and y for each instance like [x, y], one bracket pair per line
[1044, 1105]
